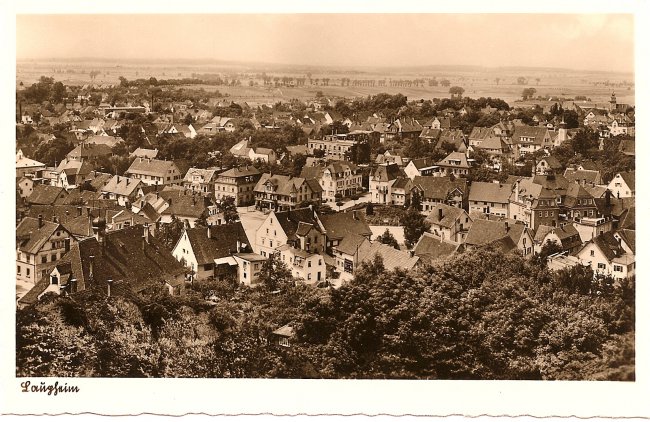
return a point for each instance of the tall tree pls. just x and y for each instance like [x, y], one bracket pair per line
[414, 225]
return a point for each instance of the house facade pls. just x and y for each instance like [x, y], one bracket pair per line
[154, 172]
[279, 192]
[239, 183]
[38, 243]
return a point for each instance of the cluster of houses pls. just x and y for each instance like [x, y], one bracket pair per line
[79, 229]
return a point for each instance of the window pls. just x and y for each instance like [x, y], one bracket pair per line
[309, 276]
[257, 266]
[53, 257]
[18, 268]
[540, 213]
[308, 264]
[27, 271]
[320, 262]
[270, 243]
[618, 268]
[43, 259]
[283, 341]
[592, 253]
[601, 266]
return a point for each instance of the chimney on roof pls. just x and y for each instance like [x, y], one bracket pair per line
[238, 246]
[209, 232]
[354, 215]
[66, 243]
[440, 214]
[55, 219]
[608, 198]
[40, 221]
[507, 227]
[109, 284]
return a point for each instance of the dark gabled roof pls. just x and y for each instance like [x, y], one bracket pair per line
[222, 242]
[30, 237]
[392, 258]
[386, 173]
[97, 180]
[126, 258]
[402, 183]
[490, 192]
[552, 162]
[77, 196]
[240, 171]
[150, 167]
[557, 183]
[617, 206]
[183, 203]
[430, 248]
[421, 163]
[289, 220]
[629, 178]
[627, 219]
[303, 229]
[350, 244]
[536, 132]
[483, 232]
[629, 237]
[449, 215]
[591, 176]
[121, 185]
[608, 244]
[568, 235]
[431, 133]
[438, 188]
[283, 185]
[90, 151]
[46, 195]
[504, 244]
[342, 224]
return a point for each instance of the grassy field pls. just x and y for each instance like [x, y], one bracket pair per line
[477, 83]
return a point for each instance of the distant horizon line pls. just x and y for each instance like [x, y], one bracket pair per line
[197, 61]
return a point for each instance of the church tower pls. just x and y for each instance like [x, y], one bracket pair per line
[612, 102]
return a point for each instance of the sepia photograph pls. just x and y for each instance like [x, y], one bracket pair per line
[324, 196]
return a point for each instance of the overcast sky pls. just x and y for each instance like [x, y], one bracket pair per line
[595, 42]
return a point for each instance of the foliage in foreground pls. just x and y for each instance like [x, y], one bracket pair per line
[481, 315]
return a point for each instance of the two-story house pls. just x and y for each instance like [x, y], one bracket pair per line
[622, 185]
[449, 223]
[455, 163]
[279, 192]
[440, 190]
[490, 198]
[154, 172]
[39, 242]
[119, 263]
[528, 139]
[199, 247]
[486, 232]
[124, 190]
[301, 228]
[381, 183]
[200, 180]
[420, 167]
[338, 179]
[606, 256]
[239, 183]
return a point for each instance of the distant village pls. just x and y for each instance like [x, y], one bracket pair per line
[123, 188]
